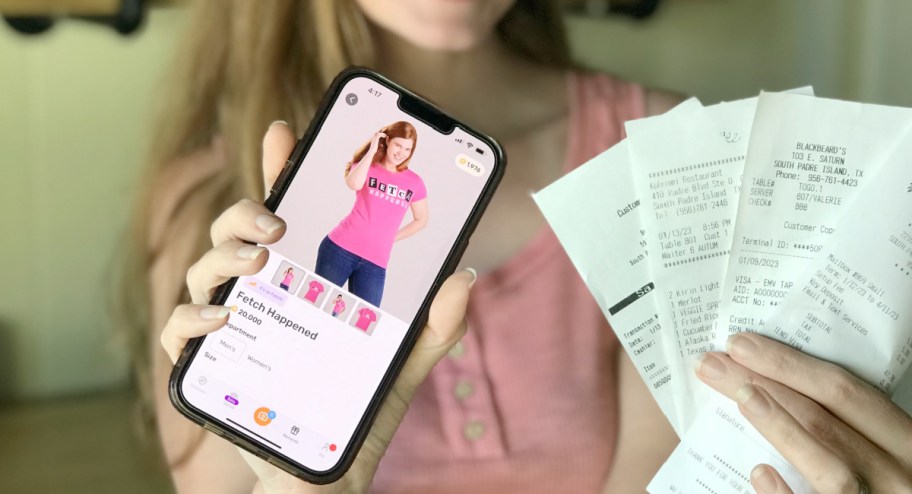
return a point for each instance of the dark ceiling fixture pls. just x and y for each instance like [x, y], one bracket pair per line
[126, 20]
[638, 9]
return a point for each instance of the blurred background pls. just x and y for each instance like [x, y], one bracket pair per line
[75, 103]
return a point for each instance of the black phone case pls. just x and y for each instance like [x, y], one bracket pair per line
[430, 115]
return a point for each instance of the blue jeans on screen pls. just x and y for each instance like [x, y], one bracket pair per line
[365, 279]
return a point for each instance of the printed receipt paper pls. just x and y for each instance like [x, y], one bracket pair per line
[864, 270]
[606, 237]
[606, 209]
[844, 288]
[606, 220]
[808, 159]
[856, 294]
[687, 169]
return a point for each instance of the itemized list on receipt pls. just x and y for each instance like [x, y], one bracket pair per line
[688, 169]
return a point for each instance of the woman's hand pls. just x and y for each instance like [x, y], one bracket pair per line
[232, 255]
[356, 174]
[419, 221]
[842, 435]
[375, 143]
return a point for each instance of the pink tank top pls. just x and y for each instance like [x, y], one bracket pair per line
[527, 401]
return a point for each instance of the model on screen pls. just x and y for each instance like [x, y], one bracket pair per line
[358, 249]
[288, 279]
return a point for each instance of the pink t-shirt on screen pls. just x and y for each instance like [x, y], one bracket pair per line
[289, 277]
[370, 228]
[367, 316]
[338, 307]
[316, 288]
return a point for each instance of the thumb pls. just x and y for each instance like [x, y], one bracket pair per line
[278, 143]
[446, 321]
[446, 325]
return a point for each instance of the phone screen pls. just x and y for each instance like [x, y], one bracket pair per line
[310, 337]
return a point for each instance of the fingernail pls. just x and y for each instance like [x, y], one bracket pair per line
[474, 276]
[214, 312]
[268, 223]
[763, 481]
[279, 122]
[710, 366]
[740, 346]
[752, 400]
[250, 252]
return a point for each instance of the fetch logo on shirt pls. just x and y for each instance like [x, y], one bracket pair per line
[391, 192]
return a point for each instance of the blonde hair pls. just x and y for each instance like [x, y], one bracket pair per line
[242, 65]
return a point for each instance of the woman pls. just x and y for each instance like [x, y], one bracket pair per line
[535, 397]
[288, 279]
[338, 306]
[358, 248]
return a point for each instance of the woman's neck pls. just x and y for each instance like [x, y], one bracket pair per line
[388, 166]
[488, 86]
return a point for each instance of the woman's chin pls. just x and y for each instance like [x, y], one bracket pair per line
[455, 42]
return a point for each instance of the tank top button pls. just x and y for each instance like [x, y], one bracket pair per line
[463, 390]
[473, 430]
[457, 351]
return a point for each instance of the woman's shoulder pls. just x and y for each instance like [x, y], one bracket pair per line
[659, 101]
[600, 105]
[630, 98]
[413, 175]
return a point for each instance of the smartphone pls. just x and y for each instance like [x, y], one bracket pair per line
[380, 197]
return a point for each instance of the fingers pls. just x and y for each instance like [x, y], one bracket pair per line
[190, 321]
[446, 325]
[249, 221]
[805, 433]
[853, 401]
[223, 262]
[820, 466]
[278, 143]
[766, 480]
[375, 142]
[728, 377]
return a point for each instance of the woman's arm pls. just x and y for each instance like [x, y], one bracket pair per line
[357, 174]
[419, 220]
[645, 438]
[198, 460]
[210, 467]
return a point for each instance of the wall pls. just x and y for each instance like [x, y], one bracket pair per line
[729, 49]
[73, 106]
